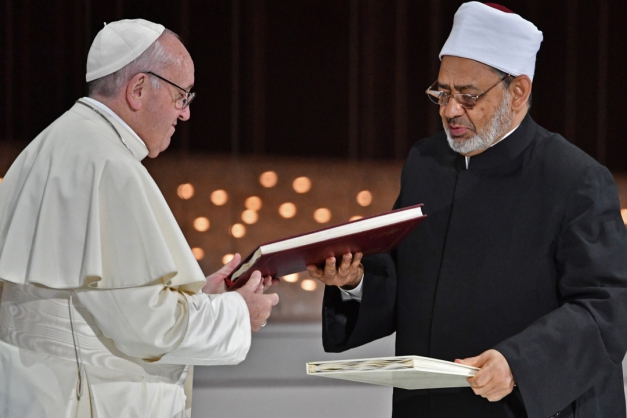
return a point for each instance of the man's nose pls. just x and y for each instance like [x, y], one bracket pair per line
[452, 109]
[185, 114]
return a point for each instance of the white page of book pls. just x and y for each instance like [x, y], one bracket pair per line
[404, 379]
[346, 229]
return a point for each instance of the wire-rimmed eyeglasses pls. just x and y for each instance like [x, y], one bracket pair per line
[465, 100]
[184, 101]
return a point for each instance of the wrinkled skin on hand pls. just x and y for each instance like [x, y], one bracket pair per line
[216, 281]
[347, 275]
[259, 305]
[494, 380]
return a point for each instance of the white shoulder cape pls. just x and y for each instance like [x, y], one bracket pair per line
[77, 209]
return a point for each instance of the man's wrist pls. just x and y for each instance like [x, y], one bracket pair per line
[353, 294]
[357, 281]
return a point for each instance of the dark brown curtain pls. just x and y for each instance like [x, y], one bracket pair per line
[316, 78]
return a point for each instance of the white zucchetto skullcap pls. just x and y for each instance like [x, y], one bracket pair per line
[119, 43]
[491, 34]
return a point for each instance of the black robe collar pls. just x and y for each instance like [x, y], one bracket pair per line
[506, 150]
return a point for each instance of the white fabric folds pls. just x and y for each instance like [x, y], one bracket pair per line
[116, 330]
[119, 43]
[496, 38]
[78, 210]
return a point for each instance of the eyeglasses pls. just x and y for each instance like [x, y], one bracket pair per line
[467, 101]
[184, 101]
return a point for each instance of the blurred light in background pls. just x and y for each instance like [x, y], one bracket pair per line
[201, 224]
[238, 230]
[322, 215]
[623, 213]
[308, 285]
[287, 210]
[356, 217]
[227, 257]
[291, 278]
[184, 191]
[0, 179]
[253, 203]
[268, 179]
[249, 216]
[219, 197]
[199, 253]
[364, 198]
[301, 184]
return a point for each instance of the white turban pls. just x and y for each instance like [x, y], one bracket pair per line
[494, 36]
[119, 43]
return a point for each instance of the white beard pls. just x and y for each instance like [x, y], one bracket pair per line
[496, 127]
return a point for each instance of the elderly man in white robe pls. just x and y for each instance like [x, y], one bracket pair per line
[104, 305]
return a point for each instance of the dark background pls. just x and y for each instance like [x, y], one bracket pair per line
[342, 79]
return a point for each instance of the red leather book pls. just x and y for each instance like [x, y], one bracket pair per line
[371, 235]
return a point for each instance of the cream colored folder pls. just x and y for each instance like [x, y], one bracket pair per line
[406, 372]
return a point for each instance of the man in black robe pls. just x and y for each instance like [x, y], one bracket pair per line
[520, 268]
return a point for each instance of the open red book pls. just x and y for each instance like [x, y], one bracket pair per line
[371, 235]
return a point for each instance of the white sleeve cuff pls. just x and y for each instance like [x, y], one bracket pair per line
[218, 331]
[353, 294]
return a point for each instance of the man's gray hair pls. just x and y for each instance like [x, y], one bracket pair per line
[155, 58]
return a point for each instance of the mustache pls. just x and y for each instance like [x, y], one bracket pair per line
[459, 121]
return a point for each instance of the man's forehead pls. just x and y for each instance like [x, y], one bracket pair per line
[181, 72]
[178, 52]
[463, 72]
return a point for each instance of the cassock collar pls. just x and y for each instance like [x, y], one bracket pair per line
[505, 151]
[137, 146]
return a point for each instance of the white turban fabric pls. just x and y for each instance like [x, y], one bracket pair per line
[494, 36]
[119, 43]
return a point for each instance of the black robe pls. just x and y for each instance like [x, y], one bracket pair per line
[524, 252]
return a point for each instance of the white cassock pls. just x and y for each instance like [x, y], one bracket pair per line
[101, 291]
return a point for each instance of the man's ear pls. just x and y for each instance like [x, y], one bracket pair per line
[136, 91]
[520, 89]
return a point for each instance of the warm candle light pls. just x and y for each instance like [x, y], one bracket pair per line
[287, 210]
[364, 198]
[301, 185]
[308, 285]
[184, 191]
[623, 213]
[322, 215]
[253, 203]
[238, 230]
[268, 179]
[249, 216]
[219, 197]
[227, 257]
[356, 217]
[291, 278]
[201, 224]
[199, 253]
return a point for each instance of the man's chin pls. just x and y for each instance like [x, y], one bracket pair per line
[467, 146]
[166, 142]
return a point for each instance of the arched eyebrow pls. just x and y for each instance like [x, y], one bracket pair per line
[458, 87]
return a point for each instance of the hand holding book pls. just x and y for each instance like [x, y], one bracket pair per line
[347, 275]
[372, 235]
[494, 380]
